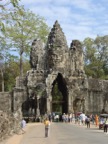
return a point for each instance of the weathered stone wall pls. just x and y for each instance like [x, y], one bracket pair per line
[11, 111]
[5, 101]
[7, 120]
[97, 97]
[94, 102]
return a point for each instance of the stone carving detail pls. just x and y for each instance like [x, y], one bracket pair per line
[76, 56]
[56, 47]
[56, 37]
[36, 54]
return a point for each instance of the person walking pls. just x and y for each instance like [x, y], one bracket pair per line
[47, 127]
[96, 120]
[23, 124]
[88, 122]
[106, 126]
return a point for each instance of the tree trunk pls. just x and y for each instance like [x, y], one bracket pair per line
[2, 76]
[21, 65]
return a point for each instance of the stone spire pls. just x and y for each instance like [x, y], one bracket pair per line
[56, 49]
[76, 58]
[56, 37]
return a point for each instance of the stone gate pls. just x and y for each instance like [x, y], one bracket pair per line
[56, 66]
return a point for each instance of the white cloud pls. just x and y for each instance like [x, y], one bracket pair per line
[78, 18]
[35, 2]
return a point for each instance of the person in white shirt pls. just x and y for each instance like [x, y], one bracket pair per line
[83, 117]
[106, 126]
[23, 124]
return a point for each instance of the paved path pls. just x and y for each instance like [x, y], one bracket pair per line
[35, 134]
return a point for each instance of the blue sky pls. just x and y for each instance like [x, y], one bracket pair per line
[79, 19]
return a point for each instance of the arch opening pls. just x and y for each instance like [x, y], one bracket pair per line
[59, 95]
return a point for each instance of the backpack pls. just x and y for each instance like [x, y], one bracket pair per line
[88, 120]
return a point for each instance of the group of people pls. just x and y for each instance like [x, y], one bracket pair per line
[81, 119]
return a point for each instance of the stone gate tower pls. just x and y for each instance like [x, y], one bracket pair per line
[57, 65]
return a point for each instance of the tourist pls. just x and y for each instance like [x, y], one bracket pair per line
[106, 126]
[92, 117]
[96, 120]
[57, 118]
[64, 117]
[73, 118]
[82, 117]
[23, 124]
[50, 117]
[88, 121]
[47, 127]
[70, 117]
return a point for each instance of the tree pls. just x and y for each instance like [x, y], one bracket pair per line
[5, 8]
[5, 60]
[96, 57]
[23, 28]
[101, 44]
[12, 71]
[20, 28]
[3, 56]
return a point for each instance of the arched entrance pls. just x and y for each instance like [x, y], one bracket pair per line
[59, 95]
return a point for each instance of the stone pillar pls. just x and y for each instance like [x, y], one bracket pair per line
[83, 105]
[48, 105]
[38, 110]
[18, 93]
[70, 108]
[49, 99]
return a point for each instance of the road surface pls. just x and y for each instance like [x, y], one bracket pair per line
[62, 133]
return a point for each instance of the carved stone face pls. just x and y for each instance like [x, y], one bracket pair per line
[55, 59]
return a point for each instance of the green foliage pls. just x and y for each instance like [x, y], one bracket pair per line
[19, 27]
[96, 57]
[5, 8]
[12, 71]
[14, 2]
[24, 26]
[57, 95]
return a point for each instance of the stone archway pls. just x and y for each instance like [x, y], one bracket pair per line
[59, 95]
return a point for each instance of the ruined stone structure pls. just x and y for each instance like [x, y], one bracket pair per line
[9, 119]
[56, 82]
[56, 65]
